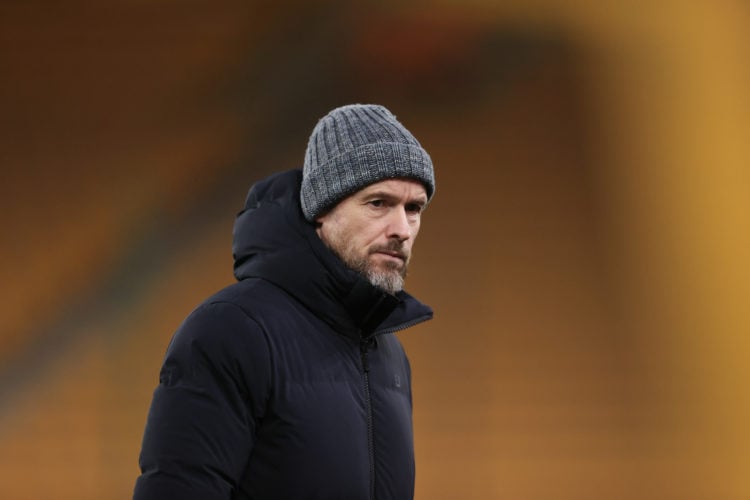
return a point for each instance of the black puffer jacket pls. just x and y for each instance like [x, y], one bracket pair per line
[288, 384]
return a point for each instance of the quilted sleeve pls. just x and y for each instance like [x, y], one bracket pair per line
[212, 392]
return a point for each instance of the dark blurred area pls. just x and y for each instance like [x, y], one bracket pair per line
[587, 251]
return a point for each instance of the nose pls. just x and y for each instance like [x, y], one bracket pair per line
[398, 225]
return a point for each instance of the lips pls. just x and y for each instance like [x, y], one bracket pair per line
[396, 255]
[391, 252]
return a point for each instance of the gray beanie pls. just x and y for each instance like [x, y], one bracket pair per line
[354, 146]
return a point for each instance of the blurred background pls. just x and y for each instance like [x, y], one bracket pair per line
[587, 252]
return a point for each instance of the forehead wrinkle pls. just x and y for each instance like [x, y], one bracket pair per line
[387, 189]
[419, 198]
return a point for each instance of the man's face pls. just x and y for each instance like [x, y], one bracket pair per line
[373, 230]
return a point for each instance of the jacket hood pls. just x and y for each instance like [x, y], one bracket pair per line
[272, 240]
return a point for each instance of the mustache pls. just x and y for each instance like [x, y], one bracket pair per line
[393, 246]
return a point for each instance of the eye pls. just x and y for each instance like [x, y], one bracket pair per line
[414, 208]
[376, 203]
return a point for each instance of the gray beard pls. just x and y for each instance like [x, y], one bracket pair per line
[390, 280]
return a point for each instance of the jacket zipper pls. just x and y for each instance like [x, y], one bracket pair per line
[364, 348]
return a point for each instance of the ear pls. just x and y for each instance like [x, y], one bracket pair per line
[319, 220]
[323, 217]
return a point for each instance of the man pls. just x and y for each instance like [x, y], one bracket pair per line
[290, 383]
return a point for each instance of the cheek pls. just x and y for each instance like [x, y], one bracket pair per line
[352, 240]
[375, 234]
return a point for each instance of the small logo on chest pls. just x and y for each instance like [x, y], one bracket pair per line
[396, 380]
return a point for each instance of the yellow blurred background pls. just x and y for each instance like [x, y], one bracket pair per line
[587, 252]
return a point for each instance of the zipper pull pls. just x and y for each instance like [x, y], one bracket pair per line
[363, 349]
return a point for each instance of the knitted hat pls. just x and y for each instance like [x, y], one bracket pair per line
[354, 146]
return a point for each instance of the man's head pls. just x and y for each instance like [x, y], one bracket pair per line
[366, 180]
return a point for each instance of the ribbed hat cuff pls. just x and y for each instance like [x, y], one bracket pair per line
[342, 175]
